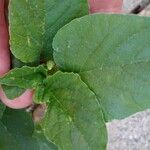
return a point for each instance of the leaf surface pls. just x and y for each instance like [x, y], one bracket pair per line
[15, 91]
[25, 77]
[26, 29]
[73, 119]
[111, 53]
[2, 108]
[33, 25]
[7, 141]
[16, 131]
[12, 91]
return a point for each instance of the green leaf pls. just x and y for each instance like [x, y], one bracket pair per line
[12, 91]
[33, 28]
[16, 63]
[26, 29]
[40, 96]
[16, 131]
[111, 53]
[44, 144]
[59, 13]
[7, 141]
[2, 108]
[73, 119]
[25, 77]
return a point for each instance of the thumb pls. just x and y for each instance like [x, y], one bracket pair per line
[4, 46]
[114, 6]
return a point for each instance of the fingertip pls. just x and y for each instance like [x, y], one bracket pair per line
[20, 102]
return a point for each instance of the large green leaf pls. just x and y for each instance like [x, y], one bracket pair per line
[26, 19]
[111, 53]
[25, 77]
[73, 120]
[59, 13]
[33, 24]
[16, 132]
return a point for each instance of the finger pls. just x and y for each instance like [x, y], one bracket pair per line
[113, 6]
[4, 46]
[23, 101]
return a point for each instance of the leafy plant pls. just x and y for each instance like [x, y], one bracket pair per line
[101, 73]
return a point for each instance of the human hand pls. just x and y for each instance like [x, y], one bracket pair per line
[25, 99]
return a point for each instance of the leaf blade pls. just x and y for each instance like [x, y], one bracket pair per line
[73, 118]
[22, 136]
[12, 91]
[111, 54]
[32, 30]
[26, 29]
[25, 77]
[2, 109]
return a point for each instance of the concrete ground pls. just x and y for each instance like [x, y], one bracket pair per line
[132, 133]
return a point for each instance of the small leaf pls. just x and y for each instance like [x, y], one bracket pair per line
[74, 119]
[12, 91]
[25, 77]
[112, 55]
[39, 97]
[33, 28]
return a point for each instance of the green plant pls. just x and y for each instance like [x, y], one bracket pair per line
[101, 73]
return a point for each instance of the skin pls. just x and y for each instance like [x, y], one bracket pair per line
[107, 6]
